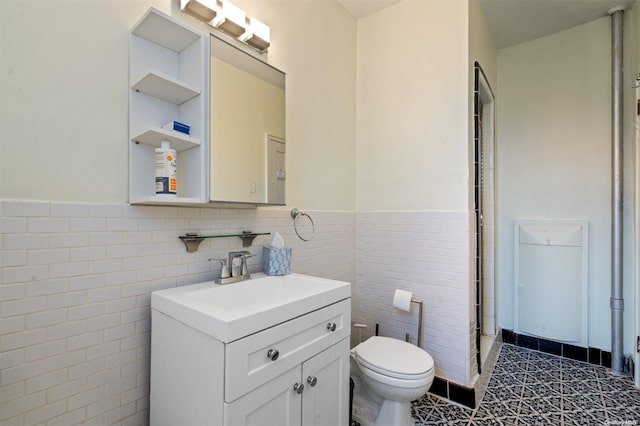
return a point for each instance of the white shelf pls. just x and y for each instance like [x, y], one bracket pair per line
[163, 201]
[165, 31]
[166, 88]
[154, 136]
[168, 80]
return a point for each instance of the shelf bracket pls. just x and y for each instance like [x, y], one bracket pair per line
[192, 243]
[247, 238]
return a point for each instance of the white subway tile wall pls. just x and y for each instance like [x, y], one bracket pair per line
[75, 291]
[426, 253]
[76, 281]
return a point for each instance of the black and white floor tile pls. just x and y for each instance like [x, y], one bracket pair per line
[533, 388]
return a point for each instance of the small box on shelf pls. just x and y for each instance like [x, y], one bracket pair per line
[177, 127]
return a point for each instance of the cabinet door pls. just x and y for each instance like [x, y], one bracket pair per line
[325, 401]
[275, 403]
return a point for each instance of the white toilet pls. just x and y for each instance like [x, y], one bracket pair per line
[388, 374]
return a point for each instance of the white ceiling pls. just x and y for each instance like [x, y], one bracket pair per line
[516, 21]
[361, 8]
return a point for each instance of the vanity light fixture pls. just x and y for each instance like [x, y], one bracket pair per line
[230, 19]
[204, 10]
[257, 36]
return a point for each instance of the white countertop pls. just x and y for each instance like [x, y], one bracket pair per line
[232, 311]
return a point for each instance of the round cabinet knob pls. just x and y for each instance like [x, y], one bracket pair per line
[273, 354]
[331, 326]
[312, 380]
[298, 387]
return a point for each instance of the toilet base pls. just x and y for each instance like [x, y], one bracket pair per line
[390, 413]
[368, 412]
[364, 410]
[394, 413]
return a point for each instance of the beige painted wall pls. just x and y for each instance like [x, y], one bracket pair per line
[412, 107]
[482, 48]
[554, 136]
[64, 98]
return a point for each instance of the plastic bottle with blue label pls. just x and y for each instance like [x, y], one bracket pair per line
[166, 170]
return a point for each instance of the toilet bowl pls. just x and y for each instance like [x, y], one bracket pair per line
[388, 375]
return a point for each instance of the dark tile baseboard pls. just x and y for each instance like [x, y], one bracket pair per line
[591, 355]
[454, 392]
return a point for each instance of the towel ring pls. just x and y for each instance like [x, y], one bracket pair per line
[296, 214]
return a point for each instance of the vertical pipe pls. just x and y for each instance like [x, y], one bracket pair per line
[637, 233]
[617, 301]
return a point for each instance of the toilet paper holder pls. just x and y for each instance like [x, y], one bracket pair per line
[403, 299]
[420, 304]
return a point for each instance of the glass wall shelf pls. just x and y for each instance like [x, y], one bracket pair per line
[192, 239]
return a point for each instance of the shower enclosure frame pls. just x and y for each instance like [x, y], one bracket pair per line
[484, 201]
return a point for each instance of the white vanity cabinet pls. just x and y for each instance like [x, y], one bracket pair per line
[294, 372]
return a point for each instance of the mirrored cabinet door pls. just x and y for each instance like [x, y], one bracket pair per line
[247, 128]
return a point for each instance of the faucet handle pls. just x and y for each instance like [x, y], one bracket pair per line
[224, 270]
[244, 269]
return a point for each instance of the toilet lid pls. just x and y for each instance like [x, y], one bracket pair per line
[393, 357]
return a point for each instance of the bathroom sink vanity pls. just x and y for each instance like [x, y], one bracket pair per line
[273, 350]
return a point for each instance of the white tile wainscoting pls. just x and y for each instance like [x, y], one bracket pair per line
[77, 278]
[427, 253]
[75, 292]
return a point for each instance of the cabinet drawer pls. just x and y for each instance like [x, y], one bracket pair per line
[248, 364]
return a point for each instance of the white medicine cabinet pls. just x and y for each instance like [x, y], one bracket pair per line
[171, 79]
[168, 82]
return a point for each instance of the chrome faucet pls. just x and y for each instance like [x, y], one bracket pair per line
[242, 268]
[237, 273]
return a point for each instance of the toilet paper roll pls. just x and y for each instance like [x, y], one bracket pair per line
[402, 299]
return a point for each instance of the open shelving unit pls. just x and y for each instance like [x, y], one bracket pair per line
[168, 81]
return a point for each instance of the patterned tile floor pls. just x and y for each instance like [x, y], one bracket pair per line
[532, 388]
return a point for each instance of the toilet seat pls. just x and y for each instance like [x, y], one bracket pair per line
[391, 374]
[394, 358]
